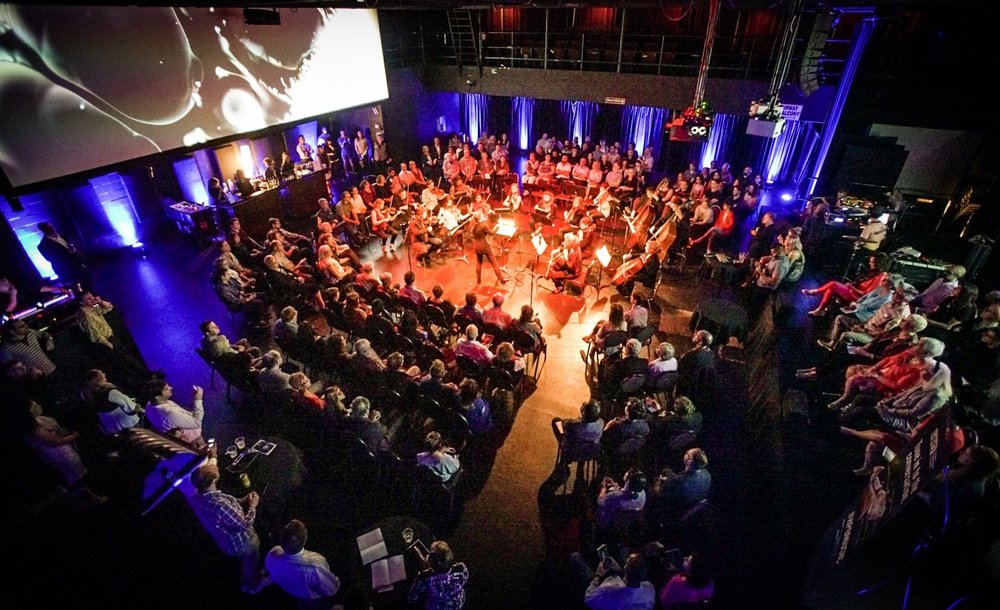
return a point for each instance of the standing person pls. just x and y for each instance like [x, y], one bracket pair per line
[305, 575]
[361, 149]
[304, 150]
[380, 153]
[67, 262]
[345, 145]
[481, 234]
[229, 521]
[441, 585]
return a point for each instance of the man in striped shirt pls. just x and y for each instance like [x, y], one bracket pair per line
[230, 523]
[25, 344]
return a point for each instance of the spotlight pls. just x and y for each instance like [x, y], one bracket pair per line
[787, 196]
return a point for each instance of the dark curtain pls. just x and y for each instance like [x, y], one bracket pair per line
[498, 116]
[549, 119]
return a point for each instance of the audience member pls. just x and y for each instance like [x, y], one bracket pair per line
[305, 575]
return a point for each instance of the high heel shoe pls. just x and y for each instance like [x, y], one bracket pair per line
[808, 292]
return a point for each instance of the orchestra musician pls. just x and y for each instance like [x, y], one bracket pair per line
[423, 239]
[566, 262]
[513, 199]
[604, 200]
[460, 191]
[430, 197]
[481, 233]
[644, 272]
[381, 226]
[542, 213]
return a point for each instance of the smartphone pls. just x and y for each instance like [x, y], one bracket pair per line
[211, 443]
[602, 552]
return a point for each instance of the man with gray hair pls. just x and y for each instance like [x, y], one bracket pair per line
[365, 423]
[887, 317]
[271, 378]
[470, 347]
[696, 368]
[496, 315]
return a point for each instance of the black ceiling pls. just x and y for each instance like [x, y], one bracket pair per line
[449, 4]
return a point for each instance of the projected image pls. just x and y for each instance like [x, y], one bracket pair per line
[87, 87]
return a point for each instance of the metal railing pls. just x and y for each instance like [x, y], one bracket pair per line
[749, 58]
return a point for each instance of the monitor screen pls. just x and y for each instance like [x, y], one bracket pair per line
[88, 87]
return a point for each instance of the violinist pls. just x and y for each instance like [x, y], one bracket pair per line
[430, 197]
[576, 213]
[566, 262]
[460, 191]
[586, 233]
[542, 213]
[448, 214]
[422, 237]
[513, 199]
[604, 200]
[380, 222]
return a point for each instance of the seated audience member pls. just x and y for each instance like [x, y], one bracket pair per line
[271, 379]
[637, 317]
[410, 291]
[675, 493]
[613, 588]
[529, 323]
[302, 394]
[940, 289]
[434, 386]
[367, 278]
[865, 307]
[474, 407]
[470, 347]
[682, 416]
[696, 368]
[584, 430]
[366, 359]
[496, 315]
[305, 575]
[956, 310]
[217, 347]
[167, 417]
[613, 498]
[330, 269]
[365, 423]
[508, 359]
[55, 446]
[665, 360]
[441, 584]
[723, 227]
[972, 470]
[692, 585]
[888, 317]
[617, 370]
[440, 457]
[115, 410]
[891, 375]
[230, 522]
[615, 322]
[286, 326]
[878, 269]
[626, 432]
[471, 309]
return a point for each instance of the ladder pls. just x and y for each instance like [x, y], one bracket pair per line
[464, 40]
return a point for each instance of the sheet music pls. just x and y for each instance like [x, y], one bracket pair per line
[372, 546]
[386, 572]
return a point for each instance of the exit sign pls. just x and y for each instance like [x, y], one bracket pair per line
[615, 100]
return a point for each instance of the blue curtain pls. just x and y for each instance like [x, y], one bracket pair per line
[724, 129]
[644, 126]
[790, 152]
[522, 116]
[475, 112]
[579, 117]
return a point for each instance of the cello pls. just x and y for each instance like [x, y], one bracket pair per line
[643, 220]
[630, 268]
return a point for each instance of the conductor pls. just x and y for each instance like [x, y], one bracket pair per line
[485, 228]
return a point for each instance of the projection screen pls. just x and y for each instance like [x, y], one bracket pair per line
[88, 87]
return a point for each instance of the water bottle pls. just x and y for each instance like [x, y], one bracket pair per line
[245, 479]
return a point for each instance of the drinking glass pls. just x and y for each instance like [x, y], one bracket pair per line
[408, 535]
[241, 443]
[232, 451]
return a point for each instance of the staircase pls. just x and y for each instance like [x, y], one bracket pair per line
[464, 39]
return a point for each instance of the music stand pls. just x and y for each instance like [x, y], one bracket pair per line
[540, 246]
[460, 229]
[506, 228]
[603, 257]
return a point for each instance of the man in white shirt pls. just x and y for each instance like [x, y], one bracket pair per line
[305, 575]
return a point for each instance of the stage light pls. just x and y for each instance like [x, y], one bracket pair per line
[603, 256]
[137, 244]
[787, 196]
[246, 160]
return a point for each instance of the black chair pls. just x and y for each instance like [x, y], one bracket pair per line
[499, 335]
[586, 456]
[632, 386]
[613, 343]
[440, 325]
[470, 368]
[380, 332]
[661, 386]
[526, 344]
[434, 499]
[211, 366]
[645, 337]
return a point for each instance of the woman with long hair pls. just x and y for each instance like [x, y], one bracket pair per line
[878, 267]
